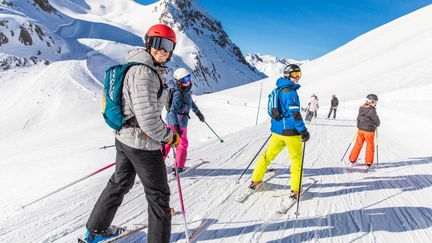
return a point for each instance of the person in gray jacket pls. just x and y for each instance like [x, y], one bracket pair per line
[367, 123]
[138, 143]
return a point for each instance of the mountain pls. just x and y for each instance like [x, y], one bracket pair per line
[270, 65]
[47, 31]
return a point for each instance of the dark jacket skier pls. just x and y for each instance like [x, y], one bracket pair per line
[367, 123]
[333, 106]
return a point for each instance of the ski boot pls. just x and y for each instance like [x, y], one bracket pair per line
[294, 195]
[180, 170]
[254, 185]
[111, 232]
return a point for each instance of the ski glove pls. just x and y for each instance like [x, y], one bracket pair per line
[200, 116]
[305, 135]
[178, 130]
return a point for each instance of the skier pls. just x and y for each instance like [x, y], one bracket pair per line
[288, 132]
[312, 108]
[178, 115]
[138, 143]
[333, 106]
[367, 122]
[316, 111]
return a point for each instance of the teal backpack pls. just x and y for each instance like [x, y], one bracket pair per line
[274, 109]
[112, 95]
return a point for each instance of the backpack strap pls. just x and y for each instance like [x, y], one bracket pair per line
[183, 99]
[285, 89]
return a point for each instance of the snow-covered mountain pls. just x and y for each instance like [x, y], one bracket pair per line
[270, 65]
[52, 129]
[47, 31]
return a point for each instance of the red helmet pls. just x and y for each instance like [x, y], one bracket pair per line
[161, 30]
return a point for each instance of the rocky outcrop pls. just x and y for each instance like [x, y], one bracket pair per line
[217, 63]
[45, 6]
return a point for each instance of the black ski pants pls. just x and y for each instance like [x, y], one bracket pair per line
[334, 114]
[151, 169]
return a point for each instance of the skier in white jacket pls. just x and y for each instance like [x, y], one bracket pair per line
[312, 107]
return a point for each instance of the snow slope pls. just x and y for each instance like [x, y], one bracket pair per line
[52, 130]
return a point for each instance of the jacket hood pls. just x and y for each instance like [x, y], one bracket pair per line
[286, 82]
[140, 55]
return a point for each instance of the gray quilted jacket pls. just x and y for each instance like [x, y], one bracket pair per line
[139, 100]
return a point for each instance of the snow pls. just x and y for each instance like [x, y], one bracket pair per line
[52, 129]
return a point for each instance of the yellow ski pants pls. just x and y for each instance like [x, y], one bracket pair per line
[276, 144]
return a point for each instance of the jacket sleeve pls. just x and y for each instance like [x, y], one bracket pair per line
[143, 94]
[293, 105]
[336, 102]
[374, 117]
[358, 118]
[176, 106]
[195, 108]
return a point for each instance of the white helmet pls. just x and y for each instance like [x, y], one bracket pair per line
[180, 73]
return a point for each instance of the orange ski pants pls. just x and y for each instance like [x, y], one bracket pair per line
[370, 146]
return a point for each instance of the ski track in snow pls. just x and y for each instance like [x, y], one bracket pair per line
[341, 208]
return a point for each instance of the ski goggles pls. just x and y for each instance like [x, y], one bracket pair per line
[160, 43]
[186, 79]
[295, 74]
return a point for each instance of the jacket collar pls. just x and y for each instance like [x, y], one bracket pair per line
[286, 82]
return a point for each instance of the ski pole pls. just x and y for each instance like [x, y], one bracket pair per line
[238, 180]
[300, 181]
[349, 145]
[214, 132]
[180, 194]
[259, 104]
[376, 137]
[105, 147]
[68, 185]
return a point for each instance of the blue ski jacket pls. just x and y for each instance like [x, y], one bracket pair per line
[181, 105]
[292, 123]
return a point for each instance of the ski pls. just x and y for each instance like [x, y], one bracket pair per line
[242, 197]
[127, 233]
[284, 209]
[195, 233]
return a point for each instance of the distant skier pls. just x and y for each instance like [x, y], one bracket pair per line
[138, 143]
[333, 106]
[289, 131]
[367, 122]
[177, 117]
[316, 111]
[312, 108]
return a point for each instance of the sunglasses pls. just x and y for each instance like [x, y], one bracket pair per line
[160, 43]
[295, 74]
[186, 79]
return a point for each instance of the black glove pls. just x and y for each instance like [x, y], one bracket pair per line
[177, 130]
[200, 116]
[305, 135]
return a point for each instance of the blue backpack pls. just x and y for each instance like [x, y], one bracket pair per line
[273, 107]
[112, 95]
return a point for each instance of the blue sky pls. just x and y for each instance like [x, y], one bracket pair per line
[302, 29]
